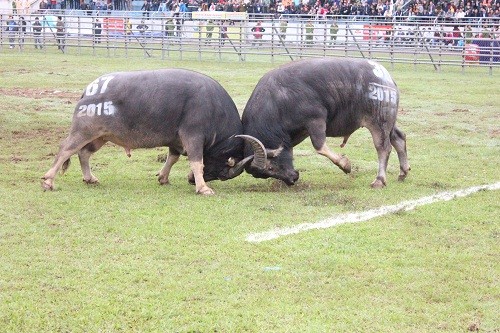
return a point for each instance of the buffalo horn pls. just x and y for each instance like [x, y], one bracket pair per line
[259, 151]
[237, 169]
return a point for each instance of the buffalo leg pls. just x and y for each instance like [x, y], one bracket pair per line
[398, 141]
[84, 157]
[201, 186]
[70, 145]
[194, 150]
[172, 158]
[383, 146]
[317, 132]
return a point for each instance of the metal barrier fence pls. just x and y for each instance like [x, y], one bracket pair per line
[232, 37]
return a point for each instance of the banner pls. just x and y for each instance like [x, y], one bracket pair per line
[375, 32]
[216, 15]
[112, 24]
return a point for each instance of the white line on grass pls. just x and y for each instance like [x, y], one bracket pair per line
[367, 215]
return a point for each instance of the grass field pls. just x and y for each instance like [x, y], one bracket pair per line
[129, 255]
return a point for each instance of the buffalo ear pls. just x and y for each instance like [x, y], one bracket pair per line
[230, 162]
[274, 152]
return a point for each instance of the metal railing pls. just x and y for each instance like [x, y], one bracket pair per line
[419, 42]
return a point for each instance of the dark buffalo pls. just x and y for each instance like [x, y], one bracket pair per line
[186, 111]
[321, 98]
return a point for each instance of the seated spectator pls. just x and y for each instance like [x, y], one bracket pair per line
[43, 6]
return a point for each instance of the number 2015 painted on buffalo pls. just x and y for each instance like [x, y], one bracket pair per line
[97, 86]
[382, 93]
[99, 109]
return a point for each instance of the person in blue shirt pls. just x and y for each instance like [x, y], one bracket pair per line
[12, 28]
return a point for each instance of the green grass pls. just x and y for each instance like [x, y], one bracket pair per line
[129, 255]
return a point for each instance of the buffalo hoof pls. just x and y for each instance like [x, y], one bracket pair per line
[92, 180]
[47, 185]
[345, 164]
[378, 183]
[163, 180]
[205, 191]
[403, 173]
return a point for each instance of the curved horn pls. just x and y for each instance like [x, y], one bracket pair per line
[259, 150]
[237, 169]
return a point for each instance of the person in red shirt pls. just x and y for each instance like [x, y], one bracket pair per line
[257, 30]
[456, 34]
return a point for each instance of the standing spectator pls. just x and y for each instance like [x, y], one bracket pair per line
[14, 7]
[428, 35]
[178, 27]
[209, 28]
[163, 6]
[37, 33]
[60, 33]
[223, 32]
[439, 36]
[468, 34]
[146, 7]
[257, 33]
[155, 5]
[97, 31]
[43, 6]
[183, 8]
[22, 31]
[12, 28]
[142, 27]
[283, 27]
[309, 32]
[169, 28]
[457, 35]
[128, 28]
[495, 33]
[485, 32]
[334, 29]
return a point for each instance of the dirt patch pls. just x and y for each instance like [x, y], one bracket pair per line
[47, 135]
[461, 110]
[17, 159]
[495, 133]
[40, 93]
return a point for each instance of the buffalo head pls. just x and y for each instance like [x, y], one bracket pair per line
[275, 163]
[225, 165]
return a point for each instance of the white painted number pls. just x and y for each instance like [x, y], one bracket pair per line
[380, 71]
[97, 86]
[382, 93]
[93, 87]
[109, 109]
[91, 110]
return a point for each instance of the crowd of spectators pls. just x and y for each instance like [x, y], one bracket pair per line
[445, 9]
